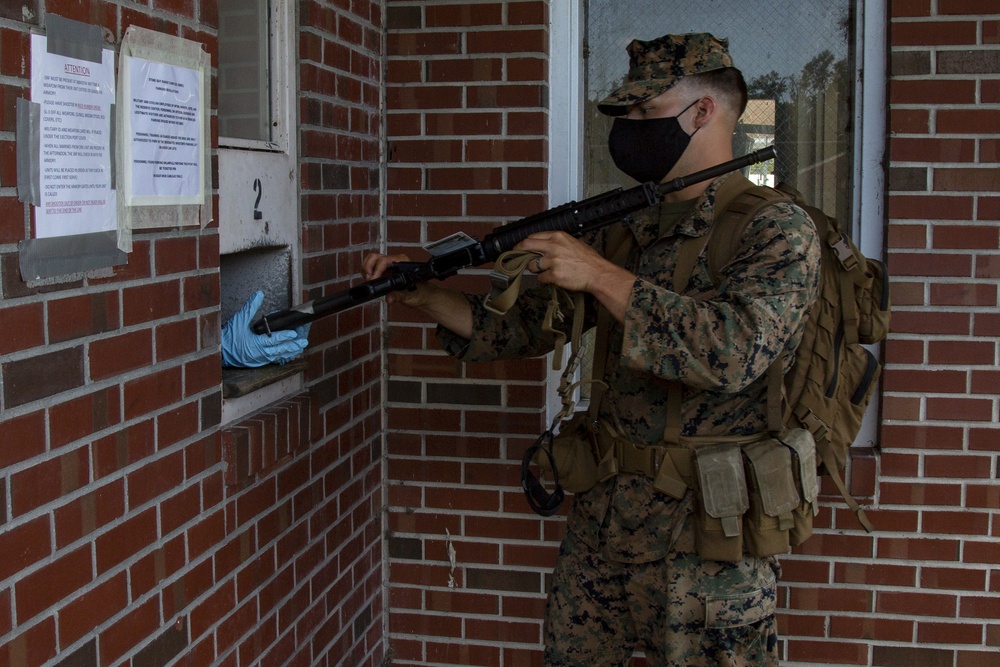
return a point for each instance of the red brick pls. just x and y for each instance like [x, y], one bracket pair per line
[911, 8]
[924, 493]
[908, 121]
[175, 255]
[899, 351]
[116, 451]
[922, 91]
[925, 264]
[949, 633]
[124, 540]
[32, 379]
[961, 409]
[916, 604]
[175, 339]
[987, 324]
[34, 646]
[968, 121]
[923, 436]
[946, 466]
[956, 523]
[152, 392]
[24, 545]
[176, 425]
[120, 354]
[968, 353]
[12, 220]
[154, 478]
[202, 374]
[53, 582]
[84, 315]
[201, 291]
[967, 180]
[988, 267]
[80, 417]
[952, 578]
[151, 301]
[978, 237]
[932, 33]
[23, 438]
[922, 381]
[48, 480]
[985, 381]
[92, 608]
[943, 322]
[930, 207]
[867, 628]
[925, 150]
[969, 7]
[990, 89]
[979, 607]
[131, 630]
[24, 327]
[84, 515]
[908, 236]
[963, 294]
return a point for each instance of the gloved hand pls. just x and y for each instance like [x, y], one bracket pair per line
[242, 348]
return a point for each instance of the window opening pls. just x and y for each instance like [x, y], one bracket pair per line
[259, 236]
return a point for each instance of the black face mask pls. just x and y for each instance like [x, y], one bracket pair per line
[648, 149]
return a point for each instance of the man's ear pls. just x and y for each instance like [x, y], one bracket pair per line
[706, 109]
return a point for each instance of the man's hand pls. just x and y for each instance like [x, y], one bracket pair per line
[242, 348]
[445, 306]
[573, 265]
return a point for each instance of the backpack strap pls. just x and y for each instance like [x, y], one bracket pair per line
[619, 238]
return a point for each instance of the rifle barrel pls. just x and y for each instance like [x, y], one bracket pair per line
[573, 217]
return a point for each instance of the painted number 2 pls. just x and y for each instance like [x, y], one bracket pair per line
[259, 189]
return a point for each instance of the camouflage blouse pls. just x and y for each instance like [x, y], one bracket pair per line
[718, 341]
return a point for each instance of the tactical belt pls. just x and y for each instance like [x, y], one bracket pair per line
[668, 466]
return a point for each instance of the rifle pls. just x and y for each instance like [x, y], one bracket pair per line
[459, 251]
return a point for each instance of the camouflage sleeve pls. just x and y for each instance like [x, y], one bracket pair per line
[519, 333]
[516, 335]
[726, 338]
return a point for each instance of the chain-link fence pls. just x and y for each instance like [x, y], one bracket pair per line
[797, 58]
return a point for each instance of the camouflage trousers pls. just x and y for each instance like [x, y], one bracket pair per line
[682, 610]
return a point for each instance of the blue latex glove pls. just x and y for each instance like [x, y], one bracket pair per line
[242, 348]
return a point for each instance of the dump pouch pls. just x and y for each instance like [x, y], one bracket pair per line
[574, 451]
[721, 494]
[803, 449]
[773, 497]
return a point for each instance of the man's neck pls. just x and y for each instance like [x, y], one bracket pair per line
[704, 160]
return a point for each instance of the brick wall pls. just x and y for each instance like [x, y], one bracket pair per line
[468, 562]
[466, 123]
[133, 529]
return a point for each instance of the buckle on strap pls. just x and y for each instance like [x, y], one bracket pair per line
[812, 423]
[845, 256]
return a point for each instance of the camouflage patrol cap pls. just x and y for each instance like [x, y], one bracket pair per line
[655, 66]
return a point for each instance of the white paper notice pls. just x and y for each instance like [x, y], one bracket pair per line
[75, 98]
[165, 134]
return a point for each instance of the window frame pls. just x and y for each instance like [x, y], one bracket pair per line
[280, 149]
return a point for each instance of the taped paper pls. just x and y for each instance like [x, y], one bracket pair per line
[73, 39]
[28, 117]
[68, 255]
[163, 152]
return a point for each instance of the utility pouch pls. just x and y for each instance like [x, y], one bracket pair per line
[773, 497]
[803, 449]
[721, 492]
[573, 451]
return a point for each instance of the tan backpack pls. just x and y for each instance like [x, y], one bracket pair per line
[832, 378]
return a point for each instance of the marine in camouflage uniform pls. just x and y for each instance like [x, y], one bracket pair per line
[628, 572]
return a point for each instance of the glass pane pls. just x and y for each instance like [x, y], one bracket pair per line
[244, 90]
[797, 58]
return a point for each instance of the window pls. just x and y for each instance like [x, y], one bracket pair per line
[815, 71]
[259, 235]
